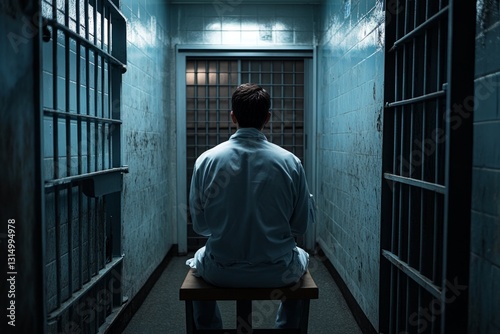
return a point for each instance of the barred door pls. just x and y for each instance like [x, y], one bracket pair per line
[210, 83]
[83, 60]
[427, 162]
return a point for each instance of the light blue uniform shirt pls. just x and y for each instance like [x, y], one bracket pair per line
[250, 197]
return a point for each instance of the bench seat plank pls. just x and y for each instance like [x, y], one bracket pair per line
[195, 288]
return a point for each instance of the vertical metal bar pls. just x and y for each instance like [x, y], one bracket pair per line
[69, 192]
[102, 221]
[390, 162]
[110, 93]
[217, 97]
[259, 72]
[435, 241]
[294, 96]
[88, 136]
[96, 138]
[423, 213]
[458, 165]
[96, 88]
[117, 44]
[79, 145]
[238, 71]
[55, 122]
[103, 86]
[207, 109]
[401, 187]
[272, 93]
[195, 106]
[394, 231]
[282, 102]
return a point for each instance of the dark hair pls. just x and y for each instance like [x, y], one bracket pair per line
[250, 105]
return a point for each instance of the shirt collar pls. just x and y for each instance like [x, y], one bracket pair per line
[249, 133]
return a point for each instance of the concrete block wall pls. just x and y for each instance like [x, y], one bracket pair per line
[350, 99]
[221, 23]
[148, 143]
[484, 293]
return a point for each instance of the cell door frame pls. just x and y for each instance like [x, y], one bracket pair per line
[186, 51]
[440, 304]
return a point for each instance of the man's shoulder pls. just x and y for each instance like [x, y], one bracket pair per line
[282, 153]
[214, 152]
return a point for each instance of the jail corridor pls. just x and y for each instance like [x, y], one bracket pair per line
[390, 106]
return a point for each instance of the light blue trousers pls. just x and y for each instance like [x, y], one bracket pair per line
[207, 314]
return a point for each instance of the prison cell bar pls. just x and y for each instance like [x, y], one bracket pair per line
[100, 58]
[436, 187]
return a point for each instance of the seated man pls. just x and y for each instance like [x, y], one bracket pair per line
[250, 197]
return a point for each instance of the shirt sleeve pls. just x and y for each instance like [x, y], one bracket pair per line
[303, 212]
[196, 205]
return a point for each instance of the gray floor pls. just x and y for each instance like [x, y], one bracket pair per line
[162, 312]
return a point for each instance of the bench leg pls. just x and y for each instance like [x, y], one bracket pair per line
[304, 317]
[189, 317]
[243, 316]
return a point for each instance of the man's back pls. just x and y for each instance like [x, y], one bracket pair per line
[250, 196]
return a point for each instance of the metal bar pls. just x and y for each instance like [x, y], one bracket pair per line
[79, 147]
[399, 305]
[420, 29]
[282, 105]
[412, 273]
[80, 117]
[53, 23]
[435, 241]
[294, 96]
[111, 5]
[272, 92]
[217, 97]
[67, 79]
[110, 93]
[56, 159]
[88, 136]
[434, 95]
[103, 86]
[458, 165]
[69, 194]
[76, 178]
[416, 183]
[96, 52]
[206, 111]
[95, 236]
[102, 221]
[73, 300]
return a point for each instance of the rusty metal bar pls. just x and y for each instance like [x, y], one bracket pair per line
[413, 273]
[421, 28]
[77, 178]
[81, 117]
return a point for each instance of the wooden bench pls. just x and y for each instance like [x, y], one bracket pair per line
[194, 288]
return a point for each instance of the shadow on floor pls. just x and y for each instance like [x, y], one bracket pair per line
[163, 312]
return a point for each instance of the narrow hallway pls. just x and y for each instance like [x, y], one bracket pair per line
[163, 312]
[392, 107]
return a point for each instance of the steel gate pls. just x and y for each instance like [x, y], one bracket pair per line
[427, 161]
[84, 58]
[210, 83]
